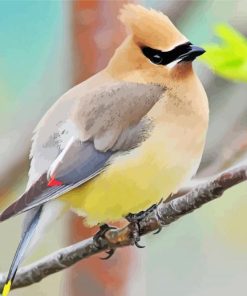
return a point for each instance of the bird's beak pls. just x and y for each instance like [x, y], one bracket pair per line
[193, 52]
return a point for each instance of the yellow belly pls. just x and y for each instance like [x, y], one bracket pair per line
[134, 181]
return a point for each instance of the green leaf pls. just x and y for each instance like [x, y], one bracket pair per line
[227, 59]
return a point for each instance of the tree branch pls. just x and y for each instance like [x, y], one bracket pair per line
[164, 214]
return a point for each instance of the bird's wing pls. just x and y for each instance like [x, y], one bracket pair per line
[110, 110]
[108, 131]
[78, 162]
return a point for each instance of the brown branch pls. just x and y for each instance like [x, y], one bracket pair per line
[164, 214]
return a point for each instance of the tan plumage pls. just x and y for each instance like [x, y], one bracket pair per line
[172, 152]
[150, 27]
[128, 136]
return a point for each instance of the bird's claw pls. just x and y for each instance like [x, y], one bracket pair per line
[135, 219]
[158, 230]
[136, 233]
[101, 235]
[110, 253]
[138, 245]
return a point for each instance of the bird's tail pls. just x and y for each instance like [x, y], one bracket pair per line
[20, 252]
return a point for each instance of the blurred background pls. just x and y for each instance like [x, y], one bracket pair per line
[46, 47]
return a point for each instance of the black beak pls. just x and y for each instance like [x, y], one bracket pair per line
[193, 52]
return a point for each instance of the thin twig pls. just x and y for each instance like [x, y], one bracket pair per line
[164, 214]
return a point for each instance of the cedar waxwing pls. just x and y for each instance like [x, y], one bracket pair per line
[122, 140]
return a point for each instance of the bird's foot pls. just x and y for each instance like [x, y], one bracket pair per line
[135, 233]
[135, 219]
[101, 235]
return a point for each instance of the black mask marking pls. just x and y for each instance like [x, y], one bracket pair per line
[183, 51]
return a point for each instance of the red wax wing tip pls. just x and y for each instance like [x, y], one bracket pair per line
[54, 182]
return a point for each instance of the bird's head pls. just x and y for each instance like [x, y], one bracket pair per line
[154, 49]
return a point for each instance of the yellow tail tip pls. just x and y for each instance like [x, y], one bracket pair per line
[6, 288]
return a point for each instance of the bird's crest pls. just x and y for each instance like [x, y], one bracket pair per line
[150, 27]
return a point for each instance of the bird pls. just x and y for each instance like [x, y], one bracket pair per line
[120, 141]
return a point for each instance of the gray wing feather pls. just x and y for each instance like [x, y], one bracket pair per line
[79, 163]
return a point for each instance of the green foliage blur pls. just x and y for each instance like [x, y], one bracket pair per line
[227, 59]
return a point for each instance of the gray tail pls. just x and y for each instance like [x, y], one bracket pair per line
[21, 250]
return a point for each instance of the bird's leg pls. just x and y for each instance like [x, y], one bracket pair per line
[103, 228]
[135, 219]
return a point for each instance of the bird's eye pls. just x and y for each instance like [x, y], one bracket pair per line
[155, 56]
[156, 59]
